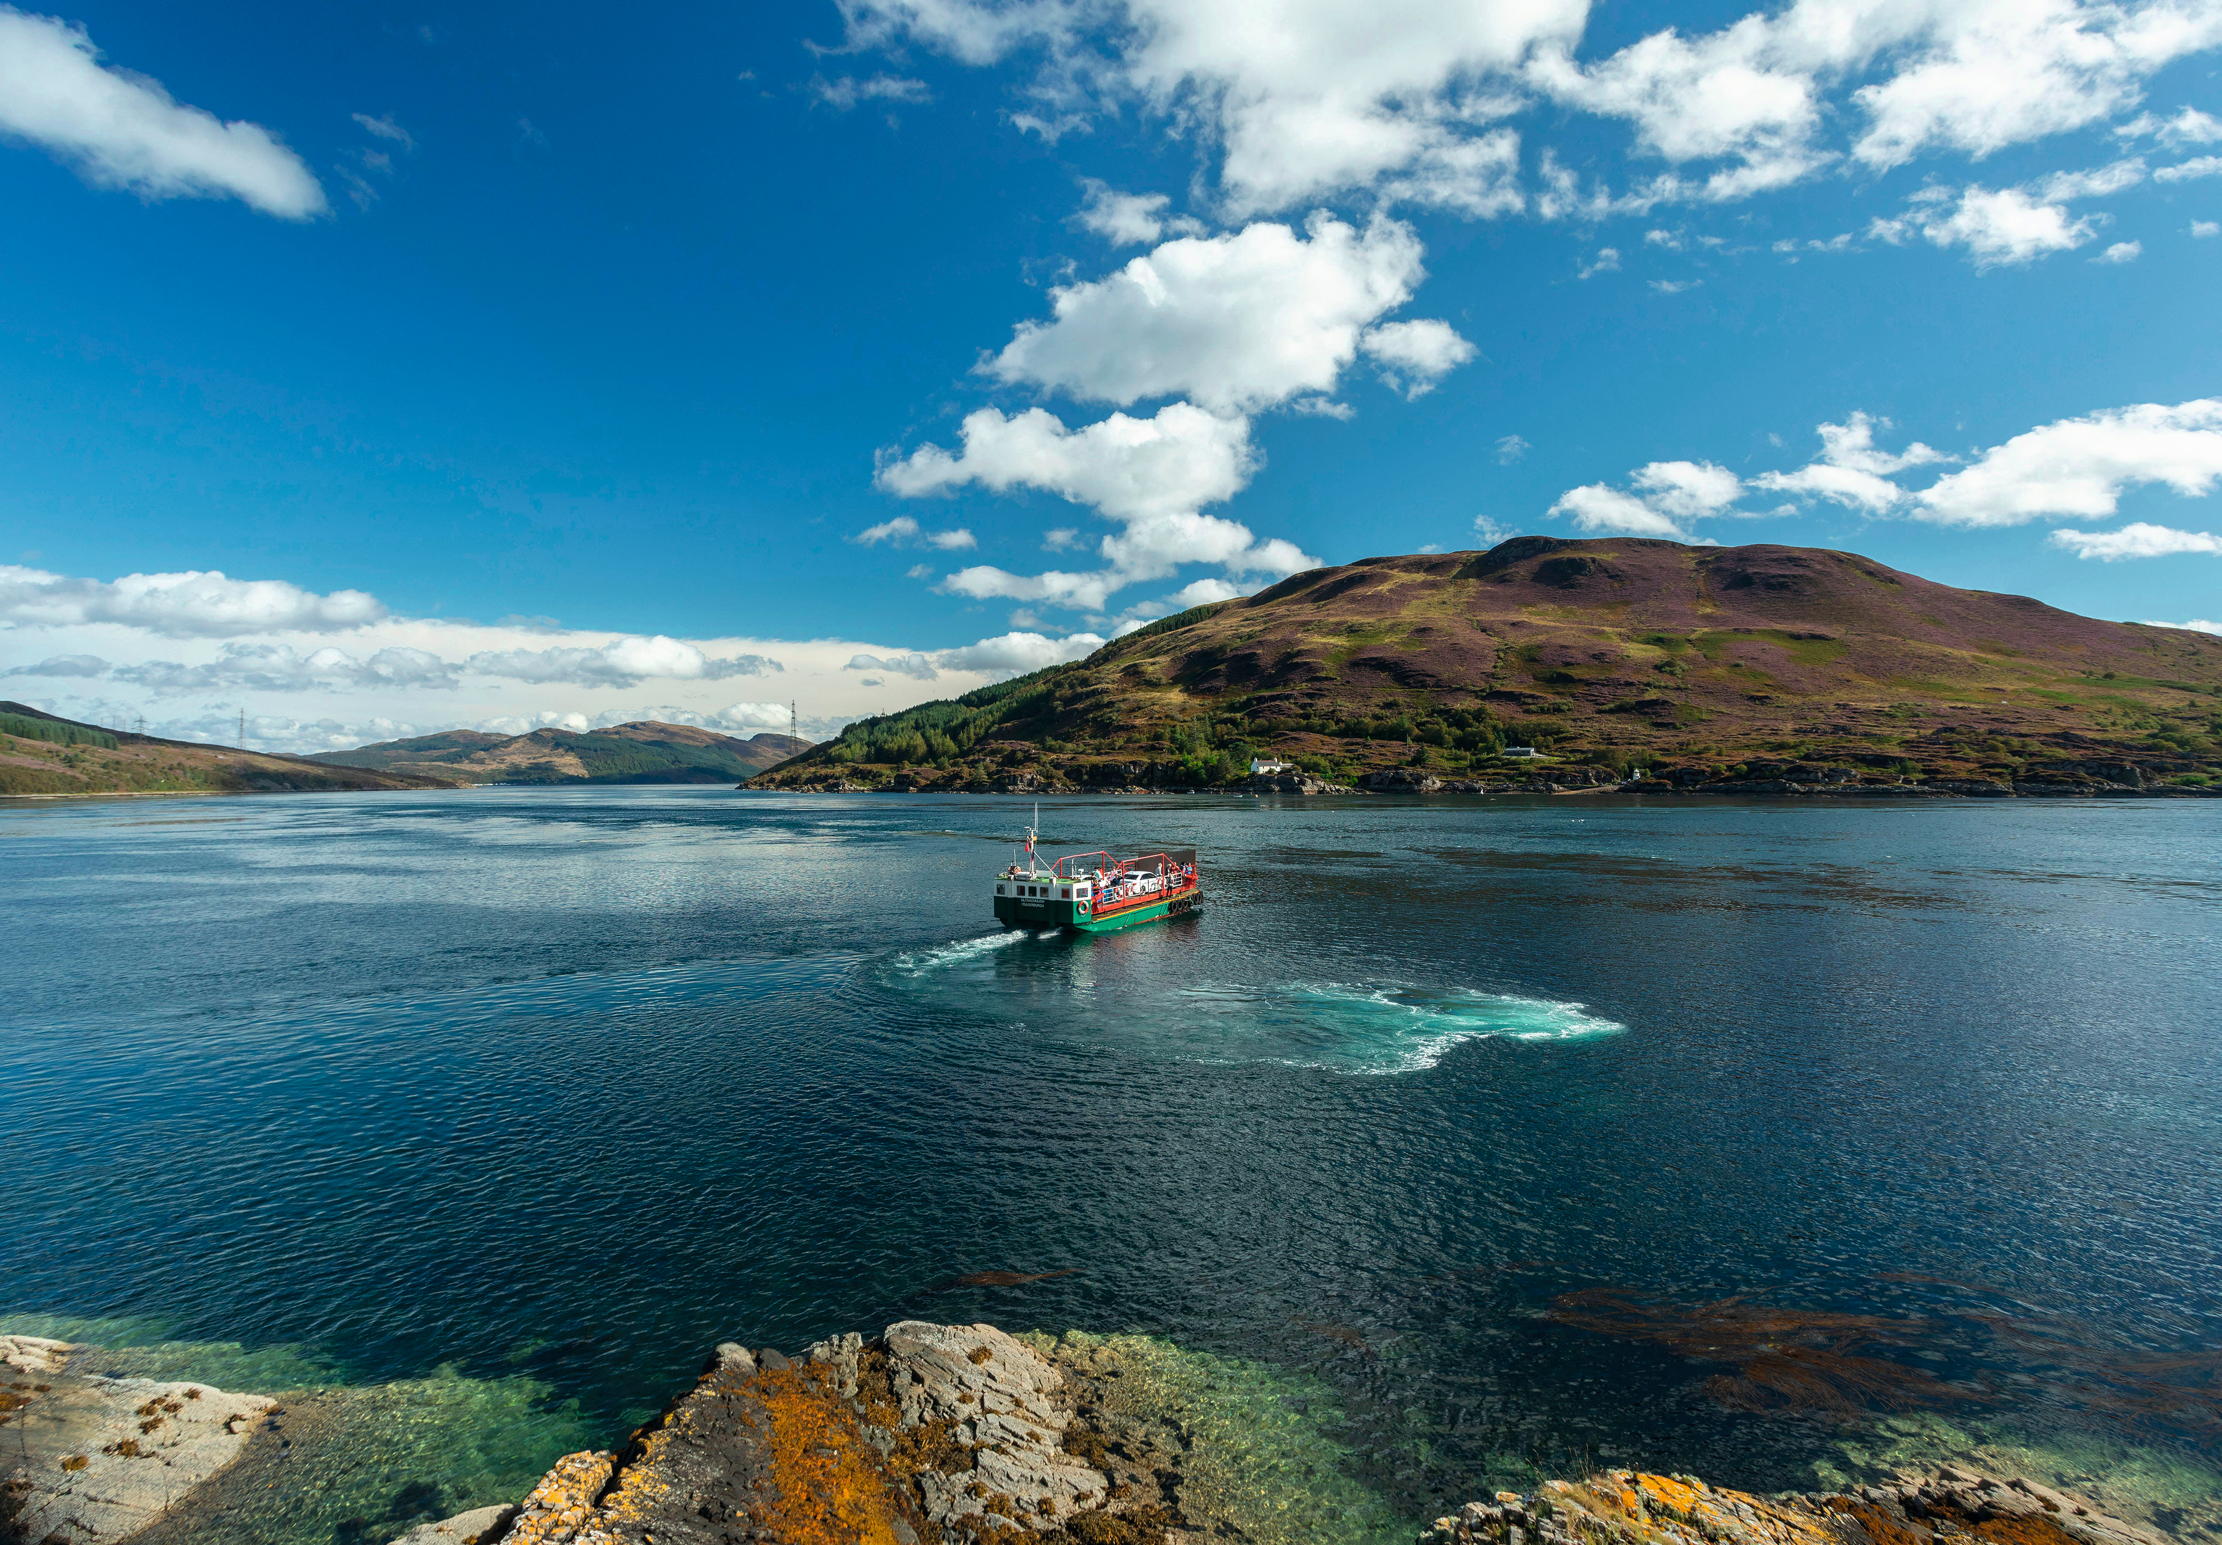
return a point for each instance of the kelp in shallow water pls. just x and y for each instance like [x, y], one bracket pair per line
[1814, 1361]
[1838, 1364]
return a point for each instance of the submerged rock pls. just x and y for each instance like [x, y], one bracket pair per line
[91, 1458]
[1627, 1507]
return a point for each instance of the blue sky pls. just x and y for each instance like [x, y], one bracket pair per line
[388, 369]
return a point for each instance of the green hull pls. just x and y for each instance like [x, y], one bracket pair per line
[1145, 914]
[1014, 912]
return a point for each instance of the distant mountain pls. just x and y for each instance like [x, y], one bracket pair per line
[41, 753]
[1608, 654]
[642, 752]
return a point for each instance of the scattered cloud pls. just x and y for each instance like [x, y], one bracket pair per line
[1510, 449]
[61, 666]
[1301, 102]
[1151, 476]
[282, 668]
[626, 662]
[122, 130]
[1996, 226]
[2184, 171]
[1415, 356]
[1015, 654]
[903, 531]
[2206, 228]
[1666, 494]
[192, 604]
[1852, 470]
[1606, 261]
[2195, 625]
[2079, 466]
[386, 129]
[2188, 126]
[914, 665]
[1130, 219]
[1174, 462]
[844, 92]
[1235, 323]
[2135, 540]
[1597, 507]
[2121, 252]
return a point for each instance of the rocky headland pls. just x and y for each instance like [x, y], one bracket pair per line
[926, 1434]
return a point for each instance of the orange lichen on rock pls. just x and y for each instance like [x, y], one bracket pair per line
[827, 1484]
[1633, 1508]
[561, 1505]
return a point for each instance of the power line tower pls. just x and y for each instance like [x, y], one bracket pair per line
[794, 721]
[242, 740]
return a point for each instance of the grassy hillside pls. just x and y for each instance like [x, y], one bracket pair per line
[41, 753]
[1615, 653]
[642, 752]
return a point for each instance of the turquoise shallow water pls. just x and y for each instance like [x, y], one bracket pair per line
[1476, 1112]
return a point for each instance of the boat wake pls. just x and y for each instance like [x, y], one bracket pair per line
[941, 957]
[1370, 1030]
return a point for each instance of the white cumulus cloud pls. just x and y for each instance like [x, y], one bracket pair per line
[625, 662]
[282, 668]
[196, 603]
[1415, 355]
[122, 130]
[903, 531]
[1997, 226]
[2079, 466]
[2138, 539]
[1235, 322]
[1015, 654]
[1852, 470]
[1173, 462]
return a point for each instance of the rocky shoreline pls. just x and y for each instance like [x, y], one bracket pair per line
[926, 1434]
[1802, 780]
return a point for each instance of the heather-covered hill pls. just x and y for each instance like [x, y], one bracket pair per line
[41, 753]
[643, 752]
[1616, 652]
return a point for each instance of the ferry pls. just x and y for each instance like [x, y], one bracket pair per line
[1095, 892]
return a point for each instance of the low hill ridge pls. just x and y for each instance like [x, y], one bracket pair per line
[43, 753]
[644, 751]
[1613, 653]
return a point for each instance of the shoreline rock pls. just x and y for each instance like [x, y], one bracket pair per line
[92, 1458]
[1628, 1507]
[962, 1435]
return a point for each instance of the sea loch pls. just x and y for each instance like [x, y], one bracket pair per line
[484, 1113]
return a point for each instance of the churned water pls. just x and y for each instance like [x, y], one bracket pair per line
[1777, 1142]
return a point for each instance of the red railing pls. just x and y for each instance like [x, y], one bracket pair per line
[1180, 879]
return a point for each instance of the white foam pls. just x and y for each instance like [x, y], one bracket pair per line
[1373, 1029]
[942, 956]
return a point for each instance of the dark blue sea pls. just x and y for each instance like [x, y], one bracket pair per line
[1779, 1142]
